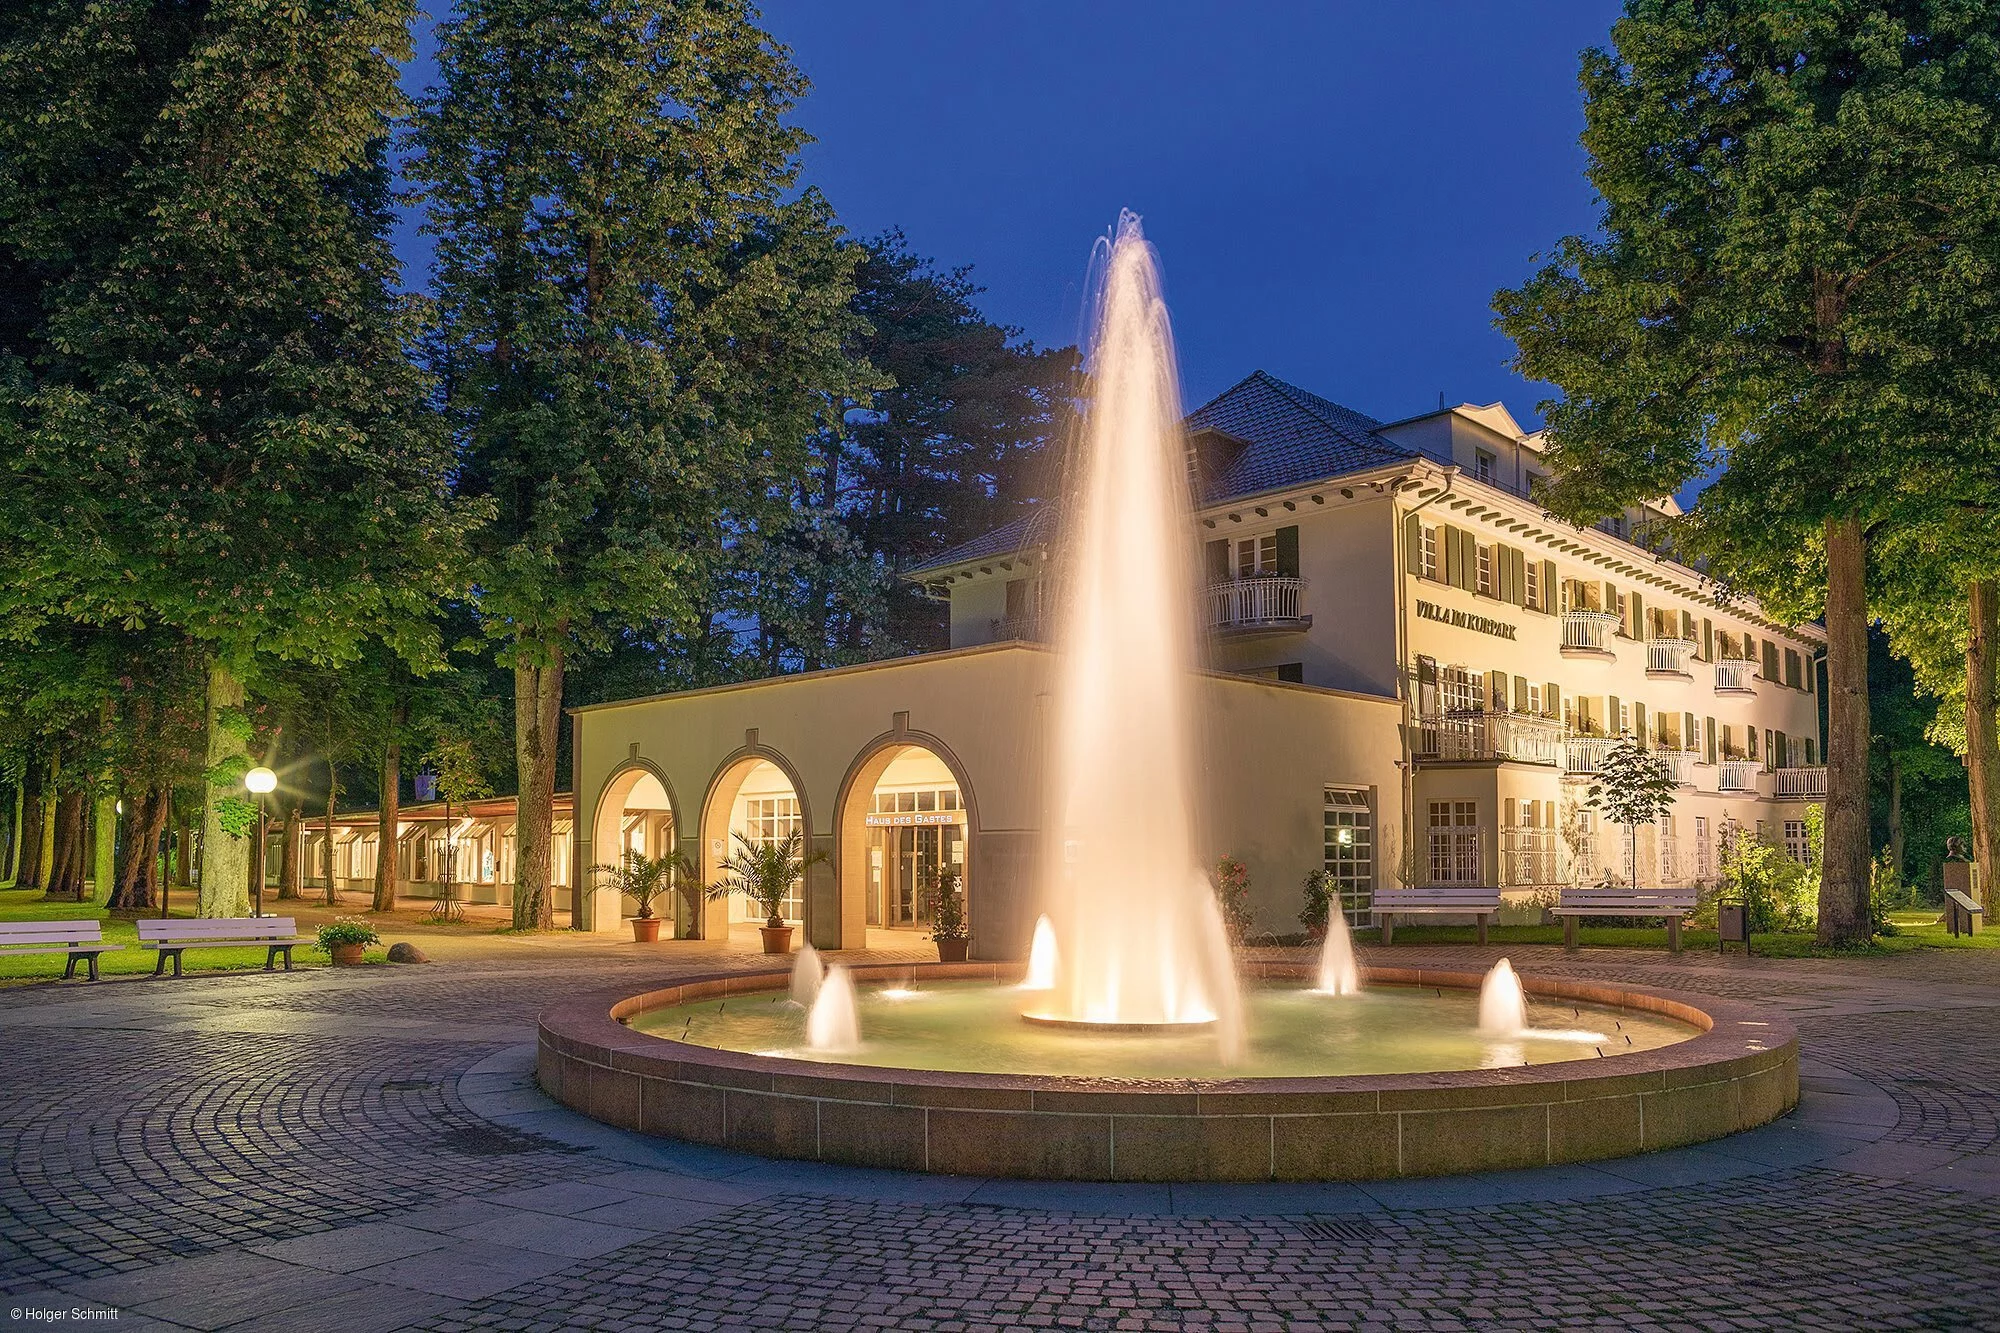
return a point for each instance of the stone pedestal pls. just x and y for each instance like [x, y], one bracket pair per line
[1964, 877]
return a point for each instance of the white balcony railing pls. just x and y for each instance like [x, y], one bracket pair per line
[1585, 754]
[1530, 856]
[1028, 626]
[1739, 775]
[1677, 766]
[1589, 631]
[1668, 656]
[1454, 856]
[1474, 735]
[1800, 783]
[1248, 603]
[1733, 676]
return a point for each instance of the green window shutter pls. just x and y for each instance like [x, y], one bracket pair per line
[1288, 552]
[1216, 557]
[1639, 727]
[1611, 715]
[1447, 537]
[1468, 559]
[1708, 735]
[1517, 574]
[1782, 747]
[1707, 639]
[1770, 661]
[1497, 686]
[1688, 732]
[1552, 700]
[1520, 694]
[1610, 596]
[1549, 598]
[1638, 630]
[1413, 545]
[1749, 647]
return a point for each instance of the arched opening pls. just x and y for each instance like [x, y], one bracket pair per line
[756, 800]
[905, 816]
[636, 814]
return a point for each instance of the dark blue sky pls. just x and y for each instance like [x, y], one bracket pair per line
[1336, 189]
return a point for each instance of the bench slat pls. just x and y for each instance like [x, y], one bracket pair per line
[227, 928]
[39, 931]
[258, 943]
[60, 948]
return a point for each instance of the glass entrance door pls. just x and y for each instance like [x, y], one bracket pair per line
[901, 862]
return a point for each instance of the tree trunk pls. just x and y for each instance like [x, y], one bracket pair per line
[537, 717]
[288, 868]
[104, 862]
[1982, 741]
[1843, 892]
[1896, 815]
[28, 870]
[387, 810]
[16, 835]
[66, 873]
[45, 862]
[132, 854]
[332, 795]
[225, 857]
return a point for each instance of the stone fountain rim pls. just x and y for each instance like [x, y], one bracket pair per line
[1732, 1039]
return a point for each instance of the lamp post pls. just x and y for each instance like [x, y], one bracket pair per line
[260, 782]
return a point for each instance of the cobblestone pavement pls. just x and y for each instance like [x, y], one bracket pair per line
[365, 1150]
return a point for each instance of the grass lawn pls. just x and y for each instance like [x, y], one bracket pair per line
[27, 905]
[1915, 930]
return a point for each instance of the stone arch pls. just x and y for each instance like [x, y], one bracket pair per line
[712, 834]
[850, 833]
[606, 843]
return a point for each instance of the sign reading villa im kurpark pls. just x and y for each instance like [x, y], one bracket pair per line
[1499, 629]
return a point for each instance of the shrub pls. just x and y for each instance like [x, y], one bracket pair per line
[346, 930]
[1232, 895]
[1319, 891]
[945, 905]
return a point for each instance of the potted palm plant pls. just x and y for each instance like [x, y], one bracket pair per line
[643, 878]
[945, 904]
[764, 872]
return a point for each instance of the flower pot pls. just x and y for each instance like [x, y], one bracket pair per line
[348, 955]
[777, 939]
[952, 951]
[645, 929]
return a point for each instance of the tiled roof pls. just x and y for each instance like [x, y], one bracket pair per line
[1287, 437]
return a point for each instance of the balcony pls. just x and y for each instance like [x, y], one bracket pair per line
[1739, 776]
[1677, 766]
[1263, 605]
[1667, 659]
[1530, 856]
[1584, 755]
[1031, 627]
[1588, 634]
[1733, 676]
[1800, 784]
[1472, 736]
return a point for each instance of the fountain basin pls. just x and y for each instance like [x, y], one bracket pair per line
[1739, 1070]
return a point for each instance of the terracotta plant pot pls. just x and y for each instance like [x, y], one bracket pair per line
[952, 951]
[777, 939]
[348, 955]
[645, 929]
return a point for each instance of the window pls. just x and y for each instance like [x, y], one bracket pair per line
[1797, 846]
[1485, 587]
[1454, 842]
[1350, 851]
[1486, 467]
[1812, 752]
[772, 819]
[1794, 669]
[1257, 556]
[1704, 849]
[1532, 585]
[1427, 543]
[1534, 699]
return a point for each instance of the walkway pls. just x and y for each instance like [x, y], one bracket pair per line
[362, 1150]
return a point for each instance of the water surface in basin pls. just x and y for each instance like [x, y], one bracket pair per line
[974, 1027]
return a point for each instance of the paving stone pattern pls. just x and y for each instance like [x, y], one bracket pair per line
[360, 1151]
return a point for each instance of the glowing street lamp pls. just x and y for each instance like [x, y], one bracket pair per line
[259, 782]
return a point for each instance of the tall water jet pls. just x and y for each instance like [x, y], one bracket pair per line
[1503, 1009]
[1142, 939]
[1042, 957]
[1338, 973]
[807, 973]
[834, 1022]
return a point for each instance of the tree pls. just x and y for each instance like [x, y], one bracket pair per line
[642, 317]
[1919, 787]
[1631, 788]
[221, 432]
[1792, 284]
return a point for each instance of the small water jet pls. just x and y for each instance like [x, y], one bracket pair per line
[1042, 957]
[834, 1021]
[1503, 1007]
[1338, 972]
[807, 973]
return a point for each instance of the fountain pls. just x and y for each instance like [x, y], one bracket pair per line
[1145, 1057]
[1338, 973]
[1503, 1008]
[1042, 957]
[1142, 943]
[807, 973]
[833, 1023]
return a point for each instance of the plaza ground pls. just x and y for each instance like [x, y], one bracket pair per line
[363, 1149]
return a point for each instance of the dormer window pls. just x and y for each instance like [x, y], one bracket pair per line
[1485, 467]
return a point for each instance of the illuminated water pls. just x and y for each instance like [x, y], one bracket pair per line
[1139, 935]
[1338, 972]
[1041, 957]
[807, 973]
[972, 1027]
[1503, 1007]
[832, 1025]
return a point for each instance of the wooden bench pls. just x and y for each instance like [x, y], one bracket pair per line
[1615, 900]
[277, 934]
[1434, 900]
[1961, 913]
[77, 939]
